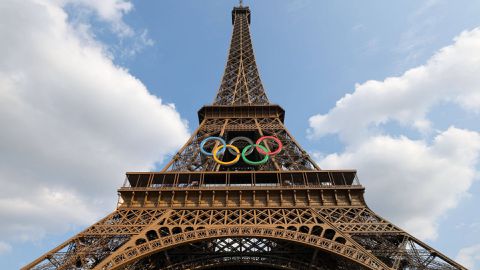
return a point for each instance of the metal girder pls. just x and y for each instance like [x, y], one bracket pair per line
[150, 232]
[241, 82]
[228, 252]
[132, 253]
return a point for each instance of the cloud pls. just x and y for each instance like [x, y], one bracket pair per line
[469, 257]
[451, 75]
[111, 11]
[4, 247]
[412, 182]
[73, 122]
[107, 15]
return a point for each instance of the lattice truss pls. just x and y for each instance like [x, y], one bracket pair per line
[292, 157]
[91, 246]
[241, 82]
[297, 238]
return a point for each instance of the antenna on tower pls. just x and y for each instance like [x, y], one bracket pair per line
[240, 2]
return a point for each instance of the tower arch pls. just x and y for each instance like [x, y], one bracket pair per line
[142, 250]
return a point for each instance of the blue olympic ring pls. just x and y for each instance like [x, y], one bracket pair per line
[202, 144]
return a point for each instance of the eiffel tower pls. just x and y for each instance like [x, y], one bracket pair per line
[242, 194]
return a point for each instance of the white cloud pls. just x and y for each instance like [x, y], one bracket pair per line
[72, 123]
[469, 257]
[127, 41]
[111, 11]
[412, 182]
[451, 75]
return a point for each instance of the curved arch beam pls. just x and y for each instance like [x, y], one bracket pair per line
[255, 259]
[137, 252]
[268, 262]
[200, 266]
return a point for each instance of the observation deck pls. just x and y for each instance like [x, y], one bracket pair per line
[250, 189]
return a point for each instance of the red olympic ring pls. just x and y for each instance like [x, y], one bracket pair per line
[260, 150]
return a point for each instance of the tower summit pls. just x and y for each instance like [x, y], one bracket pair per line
[241, 84]
[242, 194]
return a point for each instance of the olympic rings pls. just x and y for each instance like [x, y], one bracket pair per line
[260, 162]
[264, 152]
[240, 138]
[202, 144]
[235, 160]
[247, 150]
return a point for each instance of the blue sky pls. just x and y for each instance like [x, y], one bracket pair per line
[91, 89]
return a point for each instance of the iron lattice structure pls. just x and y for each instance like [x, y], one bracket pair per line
[284, 214]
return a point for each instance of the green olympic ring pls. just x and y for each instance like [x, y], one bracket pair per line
[249, 162]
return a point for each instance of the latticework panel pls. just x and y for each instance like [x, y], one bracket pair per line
[389, 243]
[241, 82]
[277, 217]
[401, 251]
[351, 235]
[356, 219]
[189, 157]
[91, 246]
[292, 157]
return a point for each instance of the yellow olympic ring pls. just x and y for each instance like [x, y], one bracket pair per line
[233, 147]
